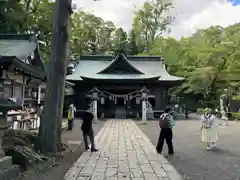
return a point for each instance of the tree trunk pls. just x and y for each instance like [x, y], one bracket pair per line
[50, 126]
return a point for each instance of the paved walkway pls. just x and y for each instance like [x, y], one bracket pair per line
[125, 153]
[191, 158]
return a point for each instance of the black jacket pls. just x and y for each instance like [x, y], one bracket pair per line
[87, 118]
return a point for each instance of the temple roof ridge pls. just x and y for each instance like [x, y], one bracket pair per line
[92, 66]
[120, 62]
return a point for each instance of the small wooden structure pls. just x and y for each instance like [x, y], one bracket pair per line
[22, 73]
[23, 77]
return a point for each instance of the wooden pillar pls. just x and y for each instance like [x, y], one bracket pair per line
[159, 97]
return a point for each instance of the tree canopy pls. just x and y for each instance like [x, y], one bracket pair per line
[209, 59]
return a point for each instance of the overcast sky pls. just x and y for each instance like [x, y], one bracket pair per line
[190, 14]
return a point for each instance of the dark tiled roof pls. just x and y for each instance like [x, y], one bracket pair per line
[21, 46]
[149, 66]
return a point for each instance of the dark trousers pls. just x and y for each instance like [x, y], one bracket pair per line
[165, 134]
[89, 134]
[70, 124]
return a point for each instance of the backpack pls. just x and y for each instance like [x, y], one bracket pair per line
[163, 123]
[207, 123]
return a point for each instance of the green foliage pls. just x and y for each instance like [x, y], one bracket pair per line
[209, 60]
[151, 21]
[236, 115]
[90, 34]
[119, 41]
[200, 111]
[236, 98]
[20, 16]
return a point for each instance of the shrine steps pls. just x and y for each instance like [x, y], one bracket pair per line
[8, 171]
[120, 113]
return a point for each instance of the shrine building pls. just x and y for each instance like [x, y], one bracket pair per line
[119, 85]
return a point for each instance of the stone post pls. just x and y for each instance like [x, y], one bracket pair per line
[144, 92]
[95, 93]
[39, 94]
[221, 103]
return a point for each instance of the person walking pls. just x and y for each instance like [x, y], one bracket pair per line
[209, 129]
[87, 119]
[224, 118]
[166, 124]
[71, 116]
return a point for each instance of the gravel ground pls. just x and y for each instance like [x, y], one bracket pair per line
[192, 160]
[73, 139]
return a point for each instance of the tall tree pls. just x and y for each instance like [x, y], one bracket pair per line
[119, 40]
[133, 47]
[51, 121]
[151, 21]
[90, 34]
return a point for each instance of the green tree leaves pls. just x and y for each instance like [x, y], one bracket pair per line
[209, 60]
[151, 21]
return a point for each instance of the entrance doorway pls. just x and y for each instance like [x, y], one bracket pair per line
[120, 101]
[120, 109]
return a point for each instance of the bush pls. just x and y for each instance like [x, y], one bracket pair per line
[200, 111]
[236, 115]
[236, 98]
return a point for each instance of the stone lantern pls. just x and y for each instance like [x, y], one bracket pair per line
[144, 93]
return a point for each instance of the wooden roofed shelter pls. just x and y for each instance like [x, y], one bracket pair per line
[23, 73]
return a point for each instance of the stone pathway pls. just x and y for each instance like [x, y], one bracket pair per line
[125, 153]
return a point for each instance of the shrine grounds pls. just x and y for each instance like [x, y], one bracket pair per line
[75, 148]
[191, 159]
